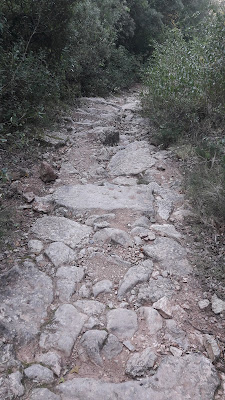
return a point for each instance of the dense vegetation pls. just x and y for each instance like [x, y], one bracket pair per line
[185, 98]
[53, 50]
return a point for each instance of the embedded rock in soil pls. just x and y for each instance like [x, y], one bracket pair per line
[35, 246]
[25, 296]
[63, 331]
[138, 274]
[104, 286]
[66, 280]
[122, 323]
[212, 347]
[11, 386]
[218, 305]
[59, 254]
[112, 347]
[44, 394]
[152, 318]
[90, 307]
[166, 230]
[175, 335]
[52, 360]
[156, 289]
[92, 341]
[133, 160]
[140, 363]
[39, 374]
[175, 379]
[60, 229]
[109, 197]
[142, 221]
[170, 254]
[7, 357]
[116, 236]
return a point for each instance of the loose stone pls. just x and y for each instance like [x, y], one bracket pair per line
[104, 286]
[140, 363]
[112, 347]
[39, 374]
[212, 347]
[93, 341]
[59, 254]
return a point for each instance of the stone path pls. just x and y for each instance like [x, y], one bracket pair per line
[98, 308]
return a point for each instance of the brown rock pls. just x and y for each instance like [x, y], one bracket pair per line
[47, 174]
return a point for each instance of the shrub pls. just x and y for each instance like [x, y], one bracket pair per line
[185, 85]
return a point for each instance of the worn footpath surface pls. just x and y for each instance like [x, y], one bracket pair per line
[103, 303]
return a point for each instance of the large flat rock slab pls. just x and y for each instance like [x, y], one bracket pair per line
[132, 160]
[25, 294]
[110, 197]
[60, 229]
[189, 377]
[170, 255]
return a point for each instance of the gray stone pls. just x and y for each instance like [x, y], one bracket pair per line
[15, 386]
[164, 307]
[66, 281]
[90, 307]
[152, 318]
[125, 181]
[92, 323]
[7, 357]
[60, 229]
[93, 341]
[175, 335]
[44, 394]
[140, 231]
[218, 305]
[142, 221]
[112, 347]
[111, 197]
[166, 230]
[138, 274]
[62, 333]
[156, 289]
[203, 304]
[39, 374]
[35, 246]
[25, 295]
[170, 254]
[52, 360]
[129, 345]
[133, 160]
[59, 254]
[101, 225]
[140, 363]
[170, 382]
[212, 347]
[56, 139]
[175, 351]
[116, 236]
[104, 286]
[85, 292]
[122, 323]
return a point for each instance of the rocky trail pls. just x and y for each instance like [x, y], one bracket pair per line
[105, 304]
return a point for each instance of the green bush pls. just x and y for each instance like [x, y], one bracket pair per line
[185, 84]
